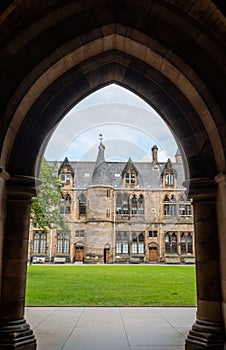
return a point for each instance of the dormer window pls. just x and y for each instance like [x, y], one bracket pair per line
[130, 178]
[65, 178]
[66, 173]
[130, 175]
[169, 175]
[169, 179]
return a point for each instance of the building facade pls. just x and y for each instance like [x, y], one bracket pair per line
[120, 213]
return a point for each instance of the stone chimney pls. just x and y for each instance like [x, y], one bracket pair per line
[155, 156]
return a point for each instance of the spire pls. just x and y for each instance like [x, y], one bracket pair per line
[100, 172]
[100, 157]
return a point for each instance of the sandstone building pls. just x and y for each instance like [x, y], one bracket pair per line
[120, 213]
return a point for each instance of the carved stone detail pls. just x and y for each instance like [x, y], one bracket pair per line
[205, 335]
[16, 335]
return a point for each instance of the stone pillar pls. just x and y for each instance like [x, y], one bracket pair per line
[221, 217]
[207, 332]
[15, 332]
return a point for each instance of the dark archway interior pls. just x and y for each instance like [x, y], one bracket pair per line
[170, 53]
[37, 43]
[58, 98]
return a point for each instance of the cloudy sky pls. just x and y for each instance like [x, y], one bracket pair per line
[130, 128]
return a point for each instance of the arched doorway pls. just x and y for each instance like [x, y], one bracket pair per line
[79, 252]
[107, 253]
[153, 252]
[165, 53]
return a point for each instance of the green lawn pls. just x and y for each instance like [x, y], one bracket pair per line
[111, 285]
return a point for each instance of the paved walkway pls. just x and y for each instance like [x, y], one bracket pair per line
[111, 328]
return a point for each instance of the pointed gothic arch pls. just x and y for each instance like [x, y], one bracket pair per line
[179, 71]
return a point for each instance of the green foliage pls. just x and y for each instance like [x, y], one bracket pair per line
[111, 285]
[45, 212]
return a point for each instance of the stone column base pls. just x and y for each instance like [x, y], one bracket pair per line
[16, 335]
[205, 335]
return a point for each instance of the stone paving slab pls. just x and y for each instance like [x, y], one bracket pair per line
[112, 328]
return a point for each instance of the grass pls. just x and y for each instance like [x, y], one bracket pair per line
[110, 286]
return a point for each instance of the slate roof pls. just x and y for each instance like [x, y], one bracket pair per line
[110, 173]
[101, 172]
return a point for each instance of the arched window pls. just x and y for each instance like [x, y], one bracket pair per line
[119, 204]
[134, 206]
[36, 242]
[122, 243]
[125, 243]
[134, 243]
[190, 243]
[183, 243]
[171, 244]
[166, 206]
[122, 204]
[167, 243]
[59, 242]
[66, 244]
[137, 243]
[65, 204]
[43, 243]
[173, 206]
[63, 243]
[134, 199]
[141, 205]
[174, 243]
[170, 207]
[39, 242]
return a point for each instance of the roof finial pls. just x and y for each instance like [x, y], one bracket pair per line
[101, 137]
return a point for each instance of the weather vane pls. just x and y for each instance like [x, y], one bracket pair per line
[101, 137]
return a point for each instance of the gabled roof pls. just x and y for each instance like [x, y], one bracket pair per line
[66, 164]
[168, 168]
[130, 167]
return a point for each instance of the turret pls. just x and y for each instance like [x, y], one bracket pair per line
[100, 173]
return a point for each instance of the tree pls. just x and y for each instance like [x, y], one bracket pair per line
[45, 212]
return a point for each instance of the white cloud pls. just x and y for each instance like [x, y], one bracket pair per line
[129, 126]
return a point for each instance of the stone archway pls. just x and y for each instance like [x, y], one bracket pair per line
[153, 252]
[107, 248]
[160, 50]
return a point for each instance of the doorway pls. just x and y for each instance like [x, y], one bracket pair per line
[153, 252]
[107, 254]
[79, 253]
